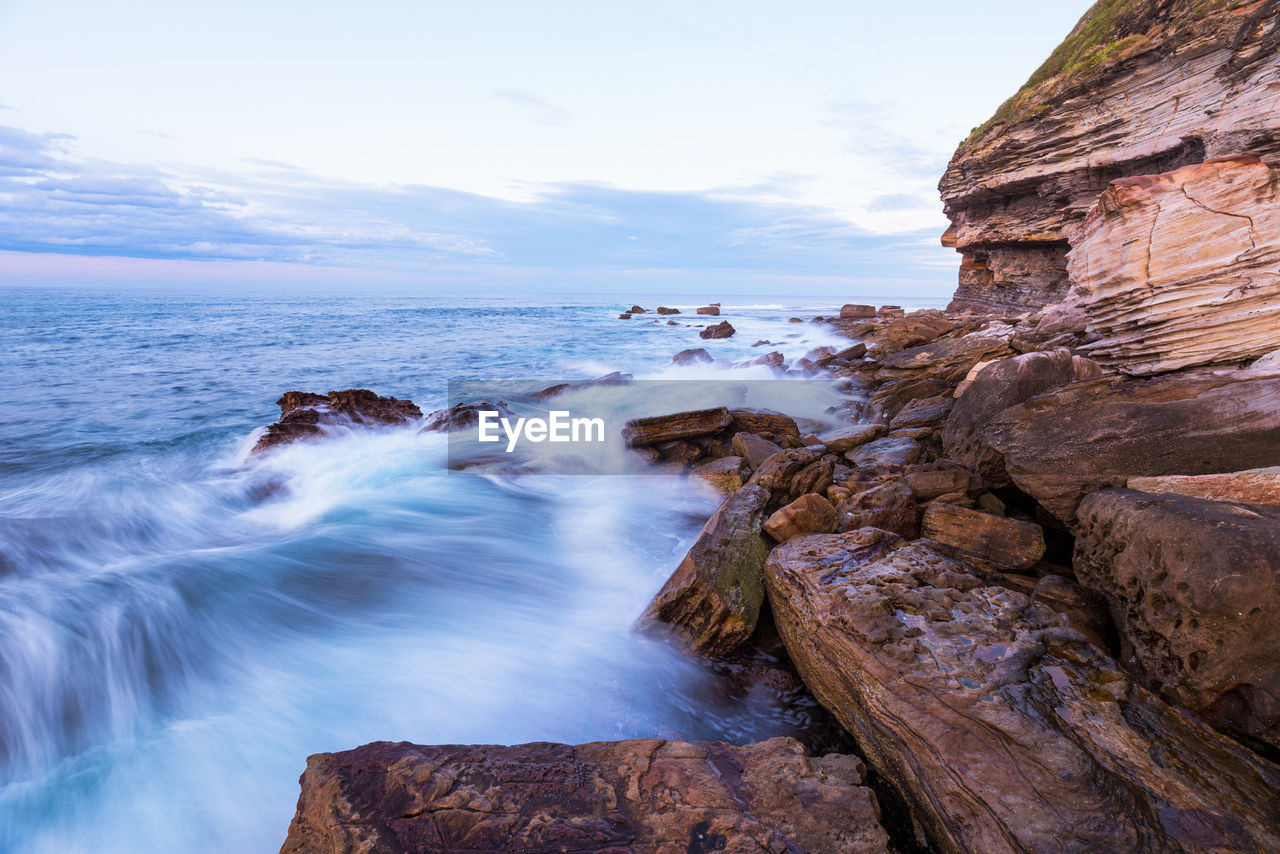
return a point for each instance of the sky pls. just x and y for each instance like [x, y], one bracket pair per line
[498, 147]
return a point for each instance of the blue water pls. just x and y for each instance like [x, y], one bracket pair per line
[180, 626]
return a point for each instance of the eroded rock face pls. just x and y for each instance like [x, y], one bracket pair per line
[1003, 543]
[645, 796]
[1098, 433]
[711, 603]
[1003, 729]
[1181, 269]
[1255, 486]
[1136, 89]
[304, 415]
[1195, 588]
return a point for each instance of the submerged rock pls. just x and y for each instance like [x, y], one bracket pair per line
[1003, 729]
[1195, 588]
[304, 415]
[645, 796]
[711, 603]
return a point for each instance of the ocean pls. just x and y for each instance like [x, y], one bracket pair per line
[181, 625]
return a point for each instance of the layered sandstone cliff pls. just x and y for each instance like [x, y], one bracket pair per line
[1139, 87]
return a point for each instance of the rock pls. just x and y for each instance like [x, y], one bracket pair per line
[808, 514]
[1080, 608]
[462, 416]
[794, 320]
[889, 507]
[1000, 385]
[924, 412]
[662, 309]
[1255, 486]
[1203, 288]
[892, 452]
[789, 474]
[635, 309]
[644, 795]
[772, 360]
[710, 604]
[304, 415]
[691, 357]
[624, 316]
[1196, 81]
[1098, 433]
[678, 425]
[850, 354]
[615, 378]
[996, 540]
[678, 451]
[713, 310]
[672, 323]
[913, 330]
[1002, 729]
[754, 449]
[948, 359]
[852, 311]
[848, 438]
[780, 429]
[1194, 588]
[723, 329]
[726, 474]
[1269, 363]
[928, 484]
[889, 399]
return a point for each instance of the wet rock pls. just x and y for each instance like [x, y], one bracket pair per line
[304, 415]
[754, 449]
[913, 330]
[691, 356]
[887, 451]
[947, 360]
[710, 604]
[713, 310]
[645, 795]
[926, 413]
[853, 311]
[773, 360]
[851, 354]
[662, 309]
[615, 378]
[1003, 729]
[1195, 588]
[1098, 433]
[726, 474]
[723, 329]
[1255, 486]
[462, 416]
[678, 425]
[780, 429]
[791, 473]
[847, 438]
[891, 397]
[635, 309]
[1080, 608]
[808, 514]
[889, 506]
[928, 484]
[997, 387]
[999, 541]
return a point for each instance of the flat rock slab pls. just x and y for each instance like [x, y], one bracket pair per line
[1098, 433]
[1004, 730]
[711, 603]
[644, 796]
[641, 432]
[1004, 543]
[1195, 588]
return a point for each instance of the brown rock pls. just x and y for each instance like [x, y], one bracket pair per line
[723, 329]
[1004, 730]
[772, 360]
[852, 311]
[1080, 608]
[678, 425]
[754, 449]
[1255, 486]
[646, 796]
[919, 327]
[926, 413]
[850, 354]
[662, 309]
[780, 429]
[713, 310]
[949, 359]
[1000, 385]
[727, 474]
[304, 415]
[847, 438]
[888, 506]
[1002, 542]
[624, 316]
[889, 399]
[1195, 587]
[710, 604]
[615, 378]
[691, 357]
[893, 452]
[791, 473]
[808, 514]
[928, 484]
[1098, 433]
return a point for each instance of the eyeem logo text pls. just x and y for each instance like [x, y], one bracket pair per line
[558, 426]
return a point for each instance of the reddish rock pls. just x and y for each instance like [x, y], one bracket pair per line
[723, 329]
[678, 425]
[772, 360]
[727, 474]
[847, 438]
[808, 514]
[645, 796]
[889, 506]
[1255, 486]
[791, 473]
[852, 311]
[662, 309]
[999, 541]
[754, 449]
[304, 415]
[710, 604]
[926, 413]
[928, 484]
[774, 426]
[691, 357]
[893, 452]
[713, 310]
[635, 309]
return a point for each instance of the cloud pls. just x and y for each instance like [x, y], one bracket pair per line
[54, 202]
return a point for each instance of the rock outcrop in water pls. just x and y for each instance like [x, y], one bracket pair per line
[1139, 87]
[645, 796]
[304, 415]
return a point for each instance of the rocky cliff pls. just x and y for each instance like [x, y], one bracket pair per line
[1139, 87]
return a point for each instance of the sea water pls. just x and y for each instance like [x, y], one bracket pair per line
[181, 624]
